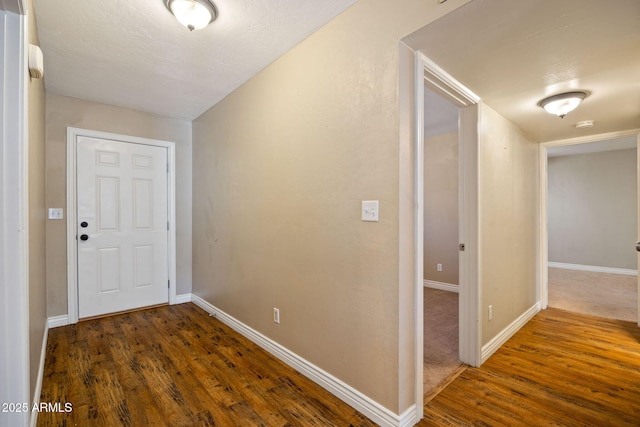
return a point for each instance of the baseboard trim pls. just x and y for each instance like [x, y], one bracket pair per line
[63, 320]
[36, 393]
[182, 298]
[409, 417]
[594, 268]
[497, 341]
[343, 391]
[442, 286]
[57, 321]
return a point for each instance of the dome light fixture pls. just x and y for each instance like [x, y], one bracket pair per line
[562, 103]
[193, 14]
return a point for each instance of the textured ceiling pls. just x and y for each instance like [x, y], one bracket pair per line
[134, 54]
[514, 53]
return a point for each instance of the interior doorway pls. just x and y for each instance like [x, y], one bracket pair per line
[441, 237]
[428, 74]
[589, 264]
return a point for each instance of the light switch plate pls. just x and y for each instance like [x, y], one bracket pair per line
[370, 210]
[56, 213]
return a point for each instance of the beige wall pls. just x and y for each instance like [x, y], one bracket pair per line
[283, 164]
[508, 218]
[63, 112]
[592, 209]
[37, 213]
[441, 208]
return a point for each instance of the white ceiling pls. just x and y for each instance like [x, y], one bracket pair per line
[134, 54]
[514, 53]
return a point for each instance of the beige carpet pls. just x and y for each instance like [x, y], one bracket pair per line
[614, 296]
[440, 337]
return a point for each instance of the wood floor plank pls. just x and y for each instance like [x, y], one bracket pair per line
[177, 366]
[561, 369]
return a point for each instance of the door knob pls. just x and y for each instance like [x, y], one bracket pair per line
[84, 224]
[84, 237]
[638, 246]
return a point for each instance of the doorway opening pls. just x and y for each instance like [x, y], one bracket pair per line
[121, 244]
[590, 209]
[441, 252]
[430, 75]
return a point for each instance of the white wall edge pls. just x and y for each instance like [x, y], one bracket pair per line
[442, 286]
[593, 268]
[182, 298]
[497, 341]
[343, 391]
[14, 212]
[36, 393]
[57, 321]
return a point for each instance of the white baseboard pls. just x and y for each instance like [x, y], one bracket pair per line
[36, 393]
[57, 321]
[442, 286]
[497, 341]
[593, 268]
[63, 320]
[182, 298]
[409, 417]
[343, 391]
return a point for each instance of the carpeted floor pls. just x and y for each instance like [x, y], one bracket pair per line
[440, 337]
[614, 296]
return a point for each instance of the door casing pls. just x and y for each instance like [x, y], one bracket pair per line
[72, 251]
[543, 292]
[429, 73]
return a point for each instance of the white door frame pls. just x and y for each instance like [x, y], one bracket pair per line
[72, 247]
[14, 212]
[544, 232]
[429, 73]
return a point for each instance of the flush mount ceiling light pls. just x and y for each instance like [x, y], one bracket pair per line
[193, 14]
[562, 103]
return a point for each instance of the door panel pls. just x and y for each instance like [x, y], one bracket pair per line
[122, 201]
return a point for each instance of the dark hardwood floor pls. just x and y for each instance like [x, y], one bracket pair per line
[176, 366]
[560, 369]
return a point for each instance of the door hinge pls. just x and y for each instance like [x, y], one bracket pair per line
[168, 283]
[167, 225]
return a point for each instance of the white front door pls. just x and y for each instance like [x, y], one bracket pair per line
[122, 237]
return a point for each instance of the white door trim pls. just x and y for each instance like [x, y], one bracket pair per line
[544, 232]
[72, 249]
[14, 211]
[427, 72]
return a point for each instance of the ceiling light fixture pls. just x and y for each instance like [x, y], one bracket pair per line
[562, 103]
[193, 14]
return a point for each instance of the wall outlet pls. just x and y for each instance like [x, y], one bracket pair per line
[490, 312]
[439, 267]
[276, 315]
